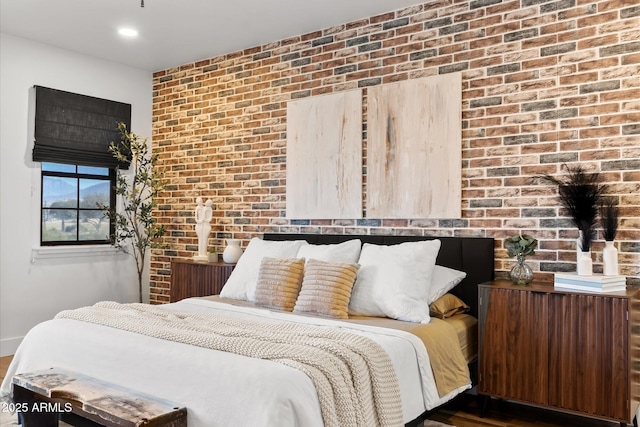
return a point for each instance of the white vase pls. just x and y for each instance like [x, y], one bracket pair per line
[585, 264]
[610, 259]
[579, 244]
[232, 252]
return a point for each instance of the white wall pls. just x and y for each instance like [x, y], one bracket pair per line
[32, 291]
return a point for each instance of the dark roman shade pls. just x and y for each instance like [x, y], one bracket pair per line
[77, 129]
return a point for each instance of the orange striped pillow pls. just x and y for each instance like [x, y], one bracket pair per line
[279, 281]
[326, 289]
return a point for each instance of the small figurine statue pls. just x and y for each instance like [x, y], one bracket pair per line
[203, 216]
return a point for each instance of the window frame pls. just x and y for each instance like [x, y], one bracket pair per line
[111, 178]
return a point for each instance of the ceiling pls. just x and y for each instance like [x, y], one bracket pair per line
[176, 32]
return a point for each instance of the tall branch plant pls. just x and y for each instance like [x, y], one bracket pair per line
[135, 228]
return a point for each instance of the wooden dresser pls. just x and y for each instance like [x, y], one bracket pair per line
[561, 349]
[191, 278]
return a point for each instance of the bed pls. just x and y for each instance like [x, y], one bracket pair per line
[221, 384]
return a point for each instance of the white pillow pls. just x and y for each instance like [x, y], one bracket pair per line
[241, 284]
[442, 281]
[346, 252]
[393, 281]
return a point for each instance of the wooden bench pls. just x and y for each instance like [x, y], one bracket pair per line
[41, 397]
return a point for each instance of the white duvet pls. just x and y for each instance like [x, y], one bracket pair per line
[217, 388]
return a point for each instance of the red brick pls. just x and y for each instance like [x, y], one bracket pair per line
[579, 78]
[504, 109]
[485, 42]
[545, 62]
[503, 130]
[633, 58]
[598, 41]
[620, 119]
[486, 62]
[193, 115]
[599, 155]
[506, 27]
[631, 176]
[557, 27]
[598, 64]
[579, 34]
[486, 22]
[469, 54]
[599, 109]
[620, 95]
[540, 41]
[489, 81]
[521, 77]
[599, 132]
[538, 148]
[598, 19]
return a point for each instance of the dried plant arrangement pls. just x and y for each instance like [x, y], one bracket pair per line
[580, 193]
[609, 213]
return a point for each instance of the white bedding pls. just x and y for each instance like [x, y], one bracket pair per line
[218, 389]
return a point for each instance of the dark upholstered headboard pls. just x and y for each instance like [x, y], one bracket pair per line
[474, 255]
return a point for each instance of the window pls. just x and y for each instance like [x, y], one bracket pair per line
[70, 196]
[73, 133]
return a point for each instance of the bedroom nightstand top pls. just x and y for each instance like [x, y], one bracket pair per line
[548, 287]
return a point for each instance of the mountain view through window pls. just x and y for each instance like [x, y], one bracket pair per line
[71, 196]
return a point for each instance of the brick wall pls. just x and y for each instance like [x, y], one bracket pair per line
[544, 83]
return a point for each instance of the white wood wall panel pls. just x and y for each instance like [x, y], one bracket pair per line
[414, 148]
[324, 157]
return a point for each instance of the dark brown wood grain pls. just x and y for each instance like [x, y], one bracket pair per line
[513, 362]
[191, 278]
[573, 351]
[589, 360]
[634, 355]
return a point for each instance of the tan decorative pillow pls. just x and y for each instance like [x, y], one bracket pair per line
[446, 306]
[279, 281]
[326, 289]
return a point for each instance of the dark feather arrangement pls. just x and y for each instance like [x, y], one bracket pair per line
[609, 213]
[580, 194]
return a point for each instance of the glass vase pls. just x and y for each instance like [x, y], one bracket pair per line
[521, 273]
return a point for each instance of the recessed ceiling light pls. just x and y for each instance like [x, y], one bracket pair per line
[128, 32]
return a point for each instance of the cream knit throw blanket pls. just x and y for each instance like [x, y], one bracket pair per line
[354, 378]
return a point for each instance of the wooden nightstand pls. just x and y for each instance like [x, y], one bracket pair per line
[561, 349]
[191, 278]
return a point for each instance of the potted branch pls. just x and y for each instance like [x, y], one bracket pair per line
[609, 213]
[135, 229]
[580, 194]
[520, 246]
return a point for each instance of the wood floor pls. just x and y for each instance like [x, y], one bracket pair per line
[4, 364]
[465, 412]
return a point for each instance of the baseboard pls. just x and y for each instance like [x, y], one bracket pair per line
[9, 346]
